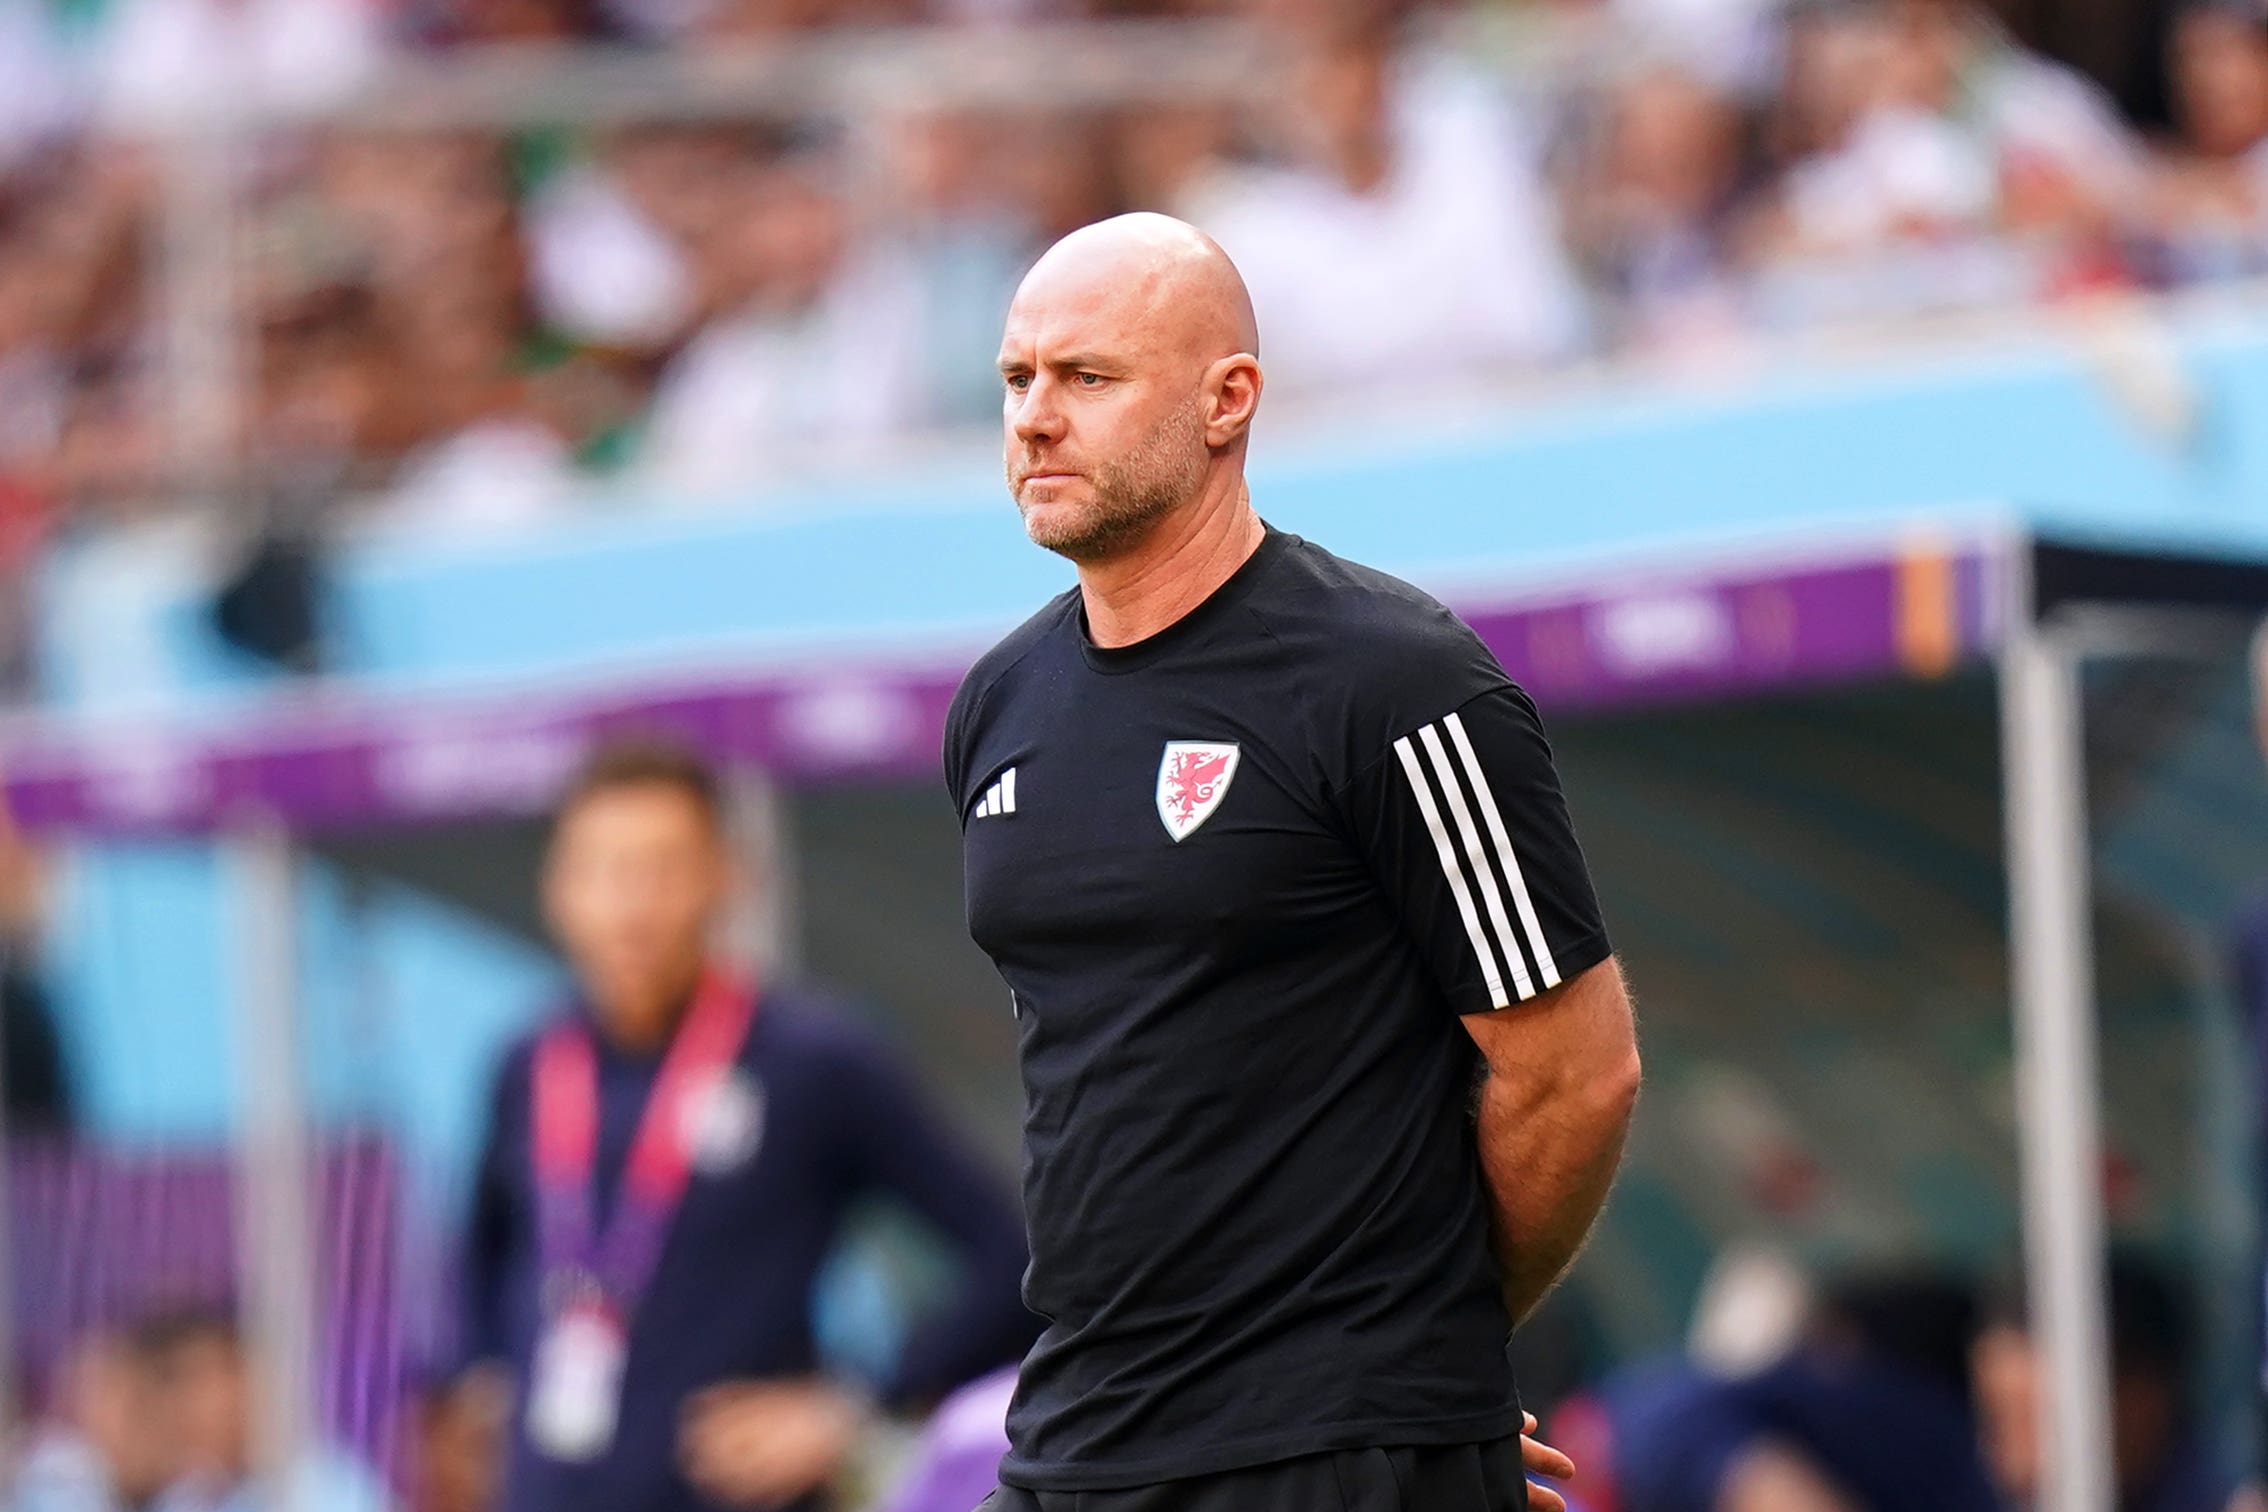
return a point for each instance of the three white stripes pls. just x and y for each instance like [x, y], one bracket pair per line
[1495, 940]
[1000, 798]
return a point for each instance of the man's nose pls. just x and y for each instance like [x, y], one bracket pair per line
[1034, 415]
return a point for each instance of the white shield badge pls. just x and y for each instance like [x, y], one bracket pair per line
[725, 1123]
[1192, 780]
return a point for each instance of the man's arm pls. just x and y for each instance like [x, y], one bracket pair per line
[765, 1443]
[1562, 1081]
[902, 1146]
[1463, 821]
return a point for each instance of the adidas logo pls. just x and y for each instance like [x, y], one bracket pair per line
[1000, 798]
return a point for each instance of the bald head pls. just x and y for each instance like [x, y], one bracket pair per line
[1155, 275]
[1132, 373]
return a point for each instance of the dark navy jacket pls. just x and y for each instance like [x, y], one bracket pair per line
[731, 1295]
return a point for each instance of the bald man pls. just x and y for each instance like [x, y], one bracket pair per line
[1272, 856]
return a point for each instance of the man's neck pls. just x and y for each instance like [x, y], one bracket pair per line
[1178, 566]
[649, 1029]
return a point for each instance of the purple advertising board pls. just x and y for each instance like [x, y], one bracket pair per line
[327, 760]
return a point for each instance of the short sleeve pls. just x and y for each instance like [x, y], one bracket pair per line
[1463, 822]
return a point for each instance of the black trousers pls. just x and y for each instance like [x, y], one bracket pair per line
[1458, 1478]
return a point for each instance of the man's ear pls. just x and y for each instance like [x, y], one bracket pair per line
[1232, 390]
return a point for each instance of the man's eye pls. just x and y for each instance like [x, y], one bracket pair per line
[1090, 380]
[1019, 381]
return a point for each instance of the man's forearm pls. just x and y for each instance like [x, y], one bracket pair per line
[1548, 1152]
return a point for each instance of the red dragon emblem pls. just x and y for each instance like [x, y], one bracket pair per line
[1192, 779]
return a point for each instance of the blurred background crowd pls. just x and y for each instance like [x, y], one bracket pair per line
[468, 320]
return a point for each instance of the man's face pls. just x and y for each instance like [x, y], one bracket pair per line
[2220, 67]
[1674, 142]
[635, 878]
[1105, 428]
[111, 1396]
[205, 1400]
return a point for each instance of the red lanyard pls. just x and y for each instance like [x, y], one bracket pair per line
[620, 1262]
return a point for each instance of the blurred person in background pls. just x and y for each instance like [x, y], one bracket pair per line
[1652, 208]
[436, 229]
[1868, 167]
[40, 291]
[35, 1091]
[2066, 169]
[965, 217]
[103, 1451]
[2163, 1457]
[1401, 226]
[1899, 1393]
[205, 1393]
[1831, 59]
[2209, 205]
[75, 347]
[1863, 1406]
[461, 1427]
[667, 1168]
[1923, 135]
[799, 311]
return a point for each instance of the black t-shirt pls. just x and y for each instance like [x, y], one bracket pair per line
[1241, 879]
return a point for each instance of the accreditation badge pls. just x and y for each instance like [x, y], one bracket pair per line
[575, 1390]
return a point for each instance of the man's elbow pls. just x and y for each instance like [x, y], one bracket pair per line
[1617, 1072]
[1594, 1092]
[1601, 1088]
[1616, 1087]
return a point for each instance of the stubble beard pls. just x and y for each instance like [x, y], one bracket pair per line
[1132, 492]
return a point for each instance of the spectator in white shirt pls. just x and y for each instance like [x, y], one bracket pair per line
[814, 345]
[2209, 205]
[1946, 168]
[2062, 160]
[1407, 231]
